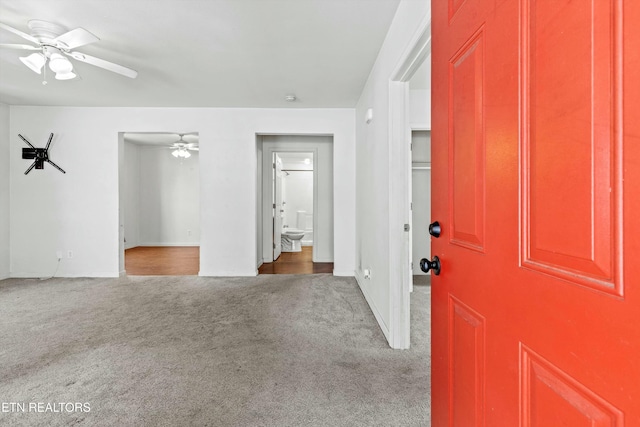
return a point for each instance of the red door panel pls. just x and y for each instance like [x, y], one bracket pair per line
[466, 364]
[536, 182]
[466, 140]
[570, 139]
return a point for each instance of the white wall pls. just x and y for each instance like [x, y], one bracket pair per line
[169, 209]
[372, 164]
[162, 197]
[131, 201]
[420, 108]
[4, 191]
[79, 211]
[297, 192]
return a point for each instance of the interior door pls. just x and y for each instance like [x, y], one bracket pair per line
[536, 183]
[277, 206]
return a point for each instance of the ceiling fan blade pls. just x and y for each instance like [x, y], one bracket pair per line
[127, 72]
[76, 38]
[20, 33]
[19, 46]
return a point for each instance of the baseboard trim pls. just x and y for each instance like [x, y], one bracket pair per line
[345, 273]
[64, 276]
[228, 274]
[374, 309]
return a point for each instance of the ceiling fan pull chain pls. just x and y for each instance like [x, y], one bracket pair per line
[44, 73]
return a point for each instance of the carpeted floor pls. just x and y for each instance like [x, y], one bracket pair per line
[279, 351]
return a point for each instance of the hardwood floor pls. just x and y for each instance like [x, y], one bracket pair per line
[162, 261]
[296, 263]
[185, 261]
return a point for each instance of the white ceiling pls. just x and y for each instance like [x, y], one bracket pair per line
[204, 53]
[296, 161]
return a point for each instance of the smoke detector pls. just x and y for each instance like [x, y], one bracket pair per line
[290, 98]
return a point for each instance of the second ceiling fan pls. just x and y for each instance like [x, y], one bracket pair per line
[181, 147]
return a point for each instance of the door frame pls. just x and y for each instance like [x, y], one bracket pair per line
[400, 272]
[314, 154]
[267, 210]
[276, 182]
[264, 218]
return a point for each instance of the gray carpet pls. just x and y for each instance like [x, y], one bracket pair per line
[275, 350]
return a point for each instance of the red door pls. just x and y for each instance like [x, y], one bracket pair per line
[536, 184]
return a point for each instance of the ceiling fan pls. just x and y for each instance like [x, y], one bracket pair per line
[54, 44]
[181, 147]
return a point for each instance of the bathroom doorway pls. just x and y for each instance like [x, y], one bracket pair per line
[295, 219]
[295, 216]
[293, 196]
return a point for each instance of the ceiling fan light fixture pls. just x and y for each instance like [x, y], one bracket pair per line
[181, 152]
[35, 62]
[66, 76]
[60, 65]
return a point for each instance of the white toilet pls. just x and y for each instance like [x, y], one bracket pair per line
[291, 239]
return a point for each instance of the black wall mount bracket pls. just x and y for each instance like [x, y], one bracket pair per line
[38, 155]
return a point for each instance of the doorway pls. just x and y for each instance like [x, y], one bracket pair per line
[293, 212]
[295, 204]
[420, 202]
[159, 203]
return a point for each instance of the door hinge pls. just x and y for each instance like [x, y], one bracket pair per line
[274, 246]
[411, 206]
[274, 206]
[274, 165]
[411, 265]
[407, 227]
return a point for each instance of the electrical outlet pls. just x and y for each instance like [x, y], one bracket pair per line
[59, 254]
[367, 273]
[69, 254]
[188, 232]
